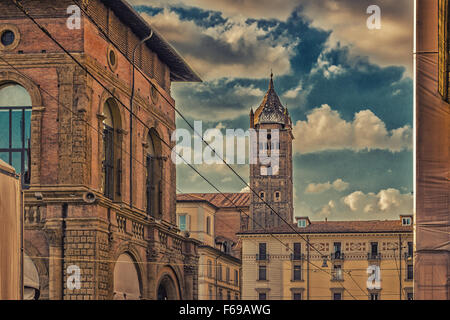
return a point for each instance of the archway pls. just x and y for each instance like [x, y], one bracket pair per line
[167, 289]
[31, 289]
[127, 284]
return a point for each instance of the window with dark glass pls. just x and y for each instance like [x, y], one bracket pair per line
[410, 296]
[374, 296]
[8, 38]
[409, 272]
[337, 250]
[410, 249]
[337, 296]
[15, 128]
[154, 175]
[228, 274]
[108, 150]
[374, 249]
[262, 251]
[228, 295]
[236, 277]
[297, 251]
[297, 296]
[262, 296]
[297, 273]
[262, 273]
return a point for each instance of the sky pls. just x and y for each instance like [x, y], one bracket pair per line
[349, 91]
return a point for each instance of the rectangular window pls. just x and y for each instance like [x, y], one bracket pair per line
[297, 251]
[210, 290]
[262, 273]
[297, 296]
[262, 296]
[337, 273]
[228, 274]
[374, 296]
[337, 296]
[208, 225]
[182, 222]
[337, 250]
[410, 296]
[297, 273]
[301, 223]
[410, 272]
[262, 251]
[236, 277]
[220, 297]
[219, 272]
[228, 295]
[209, 269]
[374, 249]
[410, 249]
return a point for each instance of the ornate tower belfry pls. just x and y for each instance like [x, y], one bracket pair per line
[272, 183]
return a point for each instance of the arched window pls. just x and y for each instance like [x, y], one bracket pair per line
[15, 128]
[154, 175]
[112, 168]
[126, 279]
[277, 196]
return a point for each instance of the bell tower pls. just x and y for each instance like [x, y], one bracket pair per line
[272, 181]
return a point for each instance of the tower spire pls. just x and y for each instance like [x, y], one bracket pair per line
[271, 80]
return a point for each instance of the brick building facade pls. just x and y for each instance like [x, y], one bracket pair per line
[80, 208]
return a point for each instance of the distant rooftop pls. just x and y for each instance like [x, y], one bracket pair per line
[228, 200]
[370, 226]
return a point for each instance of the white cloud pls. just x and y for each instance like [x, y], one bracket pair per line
[236, 48]
[386, 201]
[324, 129]
[338, 185]
[245, 190]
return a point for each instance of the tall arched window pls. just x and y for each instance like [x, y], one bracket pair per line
[154, 175]
[15, 128]
[112, 168]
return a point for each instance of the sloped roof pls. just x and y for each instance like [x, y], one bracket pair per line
[228, 200]
[370, 226]
[179, 69]
[271, 110]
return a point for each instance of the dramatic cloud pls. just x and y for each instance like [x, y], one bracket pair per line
[338, 185]
[386, 201]
[232, 49]
[347, 19]
[325, 129]
[258, 9]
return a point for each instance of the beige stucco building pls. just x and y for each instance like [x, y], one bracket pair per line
[214, 220]
[325, 260]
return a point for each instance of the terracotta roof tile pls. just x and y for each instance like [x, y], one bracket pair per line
[371, 226]
[228, 200]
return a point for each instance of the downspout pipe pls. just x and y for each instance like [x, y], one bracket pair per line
[131, 111]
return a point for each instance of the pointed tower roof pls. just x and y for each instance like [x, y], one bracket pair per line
[271, 110]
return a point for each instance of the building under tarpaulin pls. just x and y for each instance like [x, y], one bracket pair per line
[432, 120]
[10, 234]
